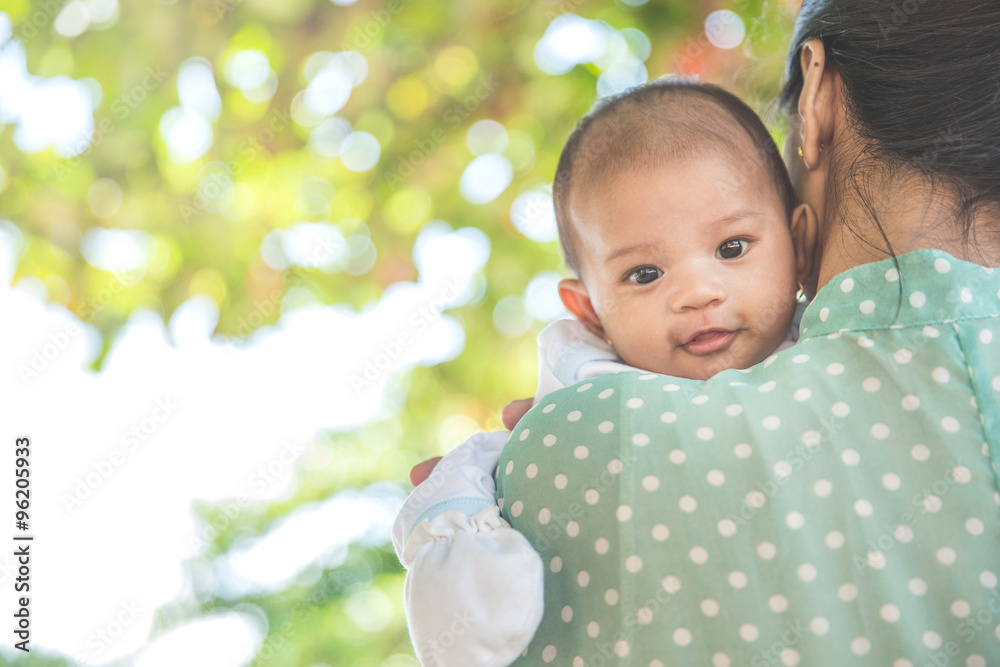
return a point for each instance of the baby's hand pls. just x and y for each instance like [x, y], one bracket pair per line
[513, 412]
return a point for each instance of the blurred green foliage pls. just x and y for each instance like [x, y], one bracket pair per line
[426, 60]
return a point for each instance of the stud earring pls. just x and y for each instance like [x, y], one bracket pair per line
[800, 151]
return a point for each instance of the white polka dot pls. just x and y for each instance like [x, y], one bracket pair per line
[737, 579]
[611, 596]
[710, 607]
[516, 508]
[555, 564]
[668, 417]
[677, 456]
[671, 387]
[847, 592]
[734, 409]
[974, 526]
[996, 383]
[602, 545]
[671, 584]
[593, 629]
[890, 480]
[802, 394]
[850, 457]
[688, 504]
[910, 403]
[766, 550]
[651, 482]
[767, 386]
[965, 295]
[778, 603]
[581, 452]
[704, 433]
[549, 440]
[544, 515]
[840, 409]
[789, 657]
[644, 616]
[567, 614]
[950, 424]
[940, 375]
[932, 639]
[531, 471]
[698, 555]
[800, 358]
[572, 529]
[932, 503]
[682, 636]
[985, 336]
[549, 653]
[782, 469]
[583, 578]
[621, 648]
[819, 626]
[715, 477]
[718, 660]
[756, 499]
[960, 608]
[623, 513]
[560, 481]
[634, 403]
[876, 560]
[795, 520]
[917, 586]
[903, 356]
[975, 660]
[660, 532]
[890, 613]
[835, 539]
[605, 427]
[510, 467]
[771, 423]
[591, 496]
[918, 299]
[846, 285]
[865, 341]
[607, 392]
[633, 564]
[822, 488]
[549, 408]
[946, 555]
[807, 572]
[903, 533]
[863, 508]
[931, 332]
[700, 399]
[648, 376]
[860, 646]
[961, 474]
[726, 527]
[836, 368]
[749, 632]
[524, 434]
[823, 314]
[867, 307]
[920, 452]
[871, 384]
[640, 439]
[941, 265]
[892, 275]
[585, 387]
[574, 416]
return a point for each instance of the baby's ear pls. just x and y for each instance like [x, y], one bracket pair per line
[805, 239]
[577, 301]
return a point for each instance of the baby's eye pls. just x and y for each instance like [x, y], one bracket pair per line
[645, 275]
[731, 249]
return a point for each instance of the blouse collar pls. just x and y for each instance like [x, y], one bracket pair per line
[928, 287]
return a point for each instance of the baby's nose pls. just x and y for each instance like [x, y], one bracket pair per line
[695, 286]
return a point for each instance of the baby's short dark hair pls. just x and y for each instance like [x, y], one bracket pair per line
[650, 125]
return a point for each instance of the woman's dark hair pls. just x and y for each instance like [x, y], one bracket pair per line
[649, 125]
[922, 79]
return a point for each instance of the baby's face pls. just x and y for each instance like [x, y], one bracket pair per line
[690, 267]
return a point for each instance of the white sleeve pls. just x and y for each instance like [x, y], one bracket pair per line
[473, 590]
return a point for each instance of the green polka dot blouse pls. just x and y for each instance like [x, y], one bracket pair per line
[836, 504]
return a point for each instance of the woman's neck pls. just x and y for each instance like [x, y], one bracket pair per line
[912, 216]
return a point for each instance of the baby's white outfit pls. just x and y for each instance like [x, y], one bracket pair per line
[467, 602]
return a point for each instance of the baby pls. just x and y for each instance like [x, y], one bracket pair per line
[677, 215]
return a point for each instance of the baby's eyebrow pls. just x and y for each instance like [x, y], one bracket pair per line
[736, 216]
[628, 250]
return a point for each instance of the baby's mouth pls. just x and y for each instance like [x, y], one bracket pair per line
[709, 341]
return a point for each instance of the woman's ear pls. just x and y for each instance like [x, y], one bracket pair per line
[805, 241]
[817, 102]
[577, 301]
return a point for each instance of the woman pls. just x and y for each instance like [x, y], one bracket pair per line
[838, 503]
